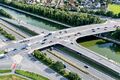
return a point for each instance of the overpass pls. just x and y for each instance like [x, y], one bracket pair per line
[67, 38]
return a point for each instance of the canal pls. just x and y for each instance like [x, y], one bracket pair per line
[102, 47]
[37, 22]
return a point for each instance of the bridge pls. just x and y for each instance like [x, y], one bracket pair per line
[67, 38]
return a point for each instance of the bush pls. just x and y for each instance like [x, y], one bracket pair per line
[9, 36]
[73, 76]
[58, 66]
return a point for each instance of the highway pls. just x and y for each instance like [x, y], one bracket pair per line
[67, 37]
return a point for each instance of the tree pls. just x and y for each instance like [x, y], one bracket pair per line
[119, 15]
[73, 76]
[110, 14]
[66, 17]
[58, 66]
[116, 34]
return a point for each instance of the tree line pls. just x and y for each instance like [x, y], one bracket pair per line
[74, 19]
[5, 14]
[7, 35]
[57, 66]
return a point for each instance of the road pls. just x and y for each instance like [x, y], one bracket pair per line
[84, 76]
[67, 37]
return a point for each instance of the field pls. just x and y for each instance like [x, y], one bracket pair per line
[11, 77]
[115, 8]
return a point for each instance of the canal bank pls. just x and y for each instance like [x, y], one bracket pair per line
[35, 21]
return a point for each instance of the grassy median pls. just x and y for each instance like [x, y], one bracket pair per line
[11, 77]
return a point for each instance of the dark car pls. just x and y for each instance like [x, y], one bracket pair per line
[14, 49]
[42, 43]
[23, 48]
[44, 39]
[93, 31]
[86, 66]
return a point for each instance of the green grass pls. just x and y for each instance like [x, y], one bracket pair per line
[115, 8]
[11, 77]
[2, 52]
[5, 71]
[31, 75]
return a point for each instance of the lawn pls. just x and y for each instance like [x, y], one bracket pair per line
[115, 8]
[11, 77]
[5, 71]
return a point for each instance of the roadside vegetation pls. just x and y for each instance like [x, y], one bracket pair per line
[2, 52]
[74, 19]
[11, 77]
[116, 34]
[30, 75]
[5, 14]
[7, 35]
[57, 66]
[5, 71]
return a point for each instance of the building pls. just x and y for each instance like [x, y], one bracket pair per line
[116, 1]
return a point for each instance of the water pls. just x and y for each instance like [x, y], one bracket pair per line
[34, 21]
[105, 48]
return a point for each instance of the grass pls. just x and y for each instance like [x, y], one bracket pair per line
[31, 75]
[11, 77]
[5, 71]
[2, 52]
[115, 8]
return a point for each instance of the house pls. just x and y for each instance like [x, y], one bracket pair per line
[116, 1]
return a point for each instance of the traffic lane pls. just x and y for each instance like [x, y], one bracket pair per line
[69, 67]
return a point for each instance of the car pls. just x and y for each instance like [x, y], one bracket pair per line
[98, 28]
[44, 39]
[65, 31]
[50, 42]
[75, 35]
[86, 66]
[68, 36]
[2, 56]
[60, 32]
[14, 49]
[48, 34]
[71, 43]
[42, 43]
[23, 48]
[78, 33]
[60, 37]
[42, 32]
[105, 29]
[93, 31]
